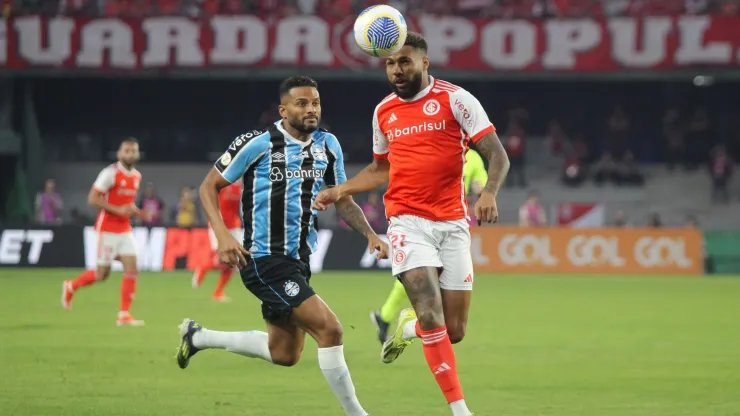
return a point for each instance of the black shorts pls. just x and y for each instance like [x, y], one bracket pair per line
[280, 282]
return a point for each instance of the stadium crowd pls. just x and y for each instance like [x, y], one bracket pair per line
[342, 8]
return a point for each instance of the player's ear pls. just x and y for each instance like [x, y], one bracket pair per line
[283, 111]
[425, 63]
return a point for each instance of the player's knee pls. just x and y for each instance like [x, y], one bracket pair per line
[429, 319]
[332, 333]
[456, 334]
[102, 274]
[285, 358]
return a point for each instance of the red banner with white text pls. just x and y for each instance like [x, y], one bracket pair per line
[455, 43]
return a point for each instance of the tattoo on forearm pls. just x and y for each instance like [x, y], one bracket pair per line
[352, 214]
[490, 147]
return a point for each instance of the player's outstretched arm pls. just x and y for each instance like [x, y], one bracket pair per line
[373, 176]
[231, 252]
[352, 214]
[490, 147]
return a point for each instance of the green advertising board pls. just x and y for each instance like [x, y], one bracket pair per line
[723, 251]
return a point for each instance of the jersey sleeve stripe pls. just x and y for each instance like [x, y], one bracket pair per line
[380, 156]
[482, 133]
[256, 159]
[445, 84]
[445, 88]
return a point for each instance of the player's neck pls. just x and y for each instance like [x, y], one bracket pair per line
[126, 167]
[425, 81]
[303, 137]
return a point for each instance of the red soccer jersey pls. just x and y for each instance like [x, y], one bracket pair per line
[229, 200]
[425, 139]
[119, 187]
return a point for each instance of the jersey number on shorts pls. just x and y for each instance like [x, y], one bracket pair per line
[397, 240]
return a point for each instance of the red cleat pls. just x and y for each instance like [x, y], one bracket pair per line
[67, 294]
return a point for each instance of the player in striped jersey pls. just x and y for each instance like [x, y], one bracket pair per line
[283, 169]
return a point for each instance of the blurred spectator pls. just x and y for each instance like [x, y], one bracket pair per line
[556, 138]
[375, 212]
[531, 213]
[575, 171]
[516, 148]
[627, 172]
[673, 133]
[654, 220]
[269, 115]
[698, 138]
[185, 213]
[605, 170]
[152, 205]
[720, 169]
[618, 127]
[620, 219]
[49, 204]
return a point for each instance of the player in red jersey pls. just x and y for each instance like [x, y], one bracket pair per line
[420, 136]
[229, 202]
[113, 194]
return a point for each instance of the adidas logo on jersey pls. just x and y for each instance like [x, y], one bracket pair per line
[277, 157]
[392, 118]
[469, 279]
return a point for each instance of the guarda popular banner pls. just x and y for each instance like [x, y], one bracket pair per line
[493, 250]
[456, 43]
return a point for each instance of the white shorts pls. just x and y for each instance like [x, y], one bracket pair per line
[113, 245]
[238, 233]
[418, 242]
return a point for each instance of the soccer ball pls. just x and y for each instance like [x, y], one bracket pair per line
[380, 31]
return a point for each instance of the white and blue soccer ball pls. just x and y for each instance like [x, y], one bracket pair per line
[380, 31]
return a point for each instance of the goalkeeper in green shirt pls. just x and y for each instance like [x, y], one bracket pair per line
[474, 179]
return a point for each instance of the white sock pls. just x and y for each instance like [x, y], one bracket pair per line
[409, 330]
[332, 364]
[250, 343]
[459, 408]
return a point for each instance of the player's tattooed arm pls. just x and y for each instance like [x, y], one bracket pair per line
[373, 176]
[352, 214]
[490, 147]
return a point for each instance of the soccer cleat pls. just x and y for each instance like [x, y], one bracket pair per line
[221, 298]
[67, 294]
[381, 326]
[395, 345]
[187, 350]
[125, 319]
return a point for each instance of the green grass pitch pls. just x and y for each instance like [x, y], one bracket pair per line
[536, 345]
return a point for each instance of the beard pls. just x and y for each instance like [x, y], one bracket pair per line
[412, 87]
[302, 125]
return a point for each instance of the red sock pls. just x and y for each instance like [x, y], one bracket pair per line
[225, 276]
[200, 273]
[128, 289]
[86, 278]
[441, 359]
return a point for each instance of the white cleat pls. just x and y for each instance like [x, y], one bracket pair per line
[128, 320]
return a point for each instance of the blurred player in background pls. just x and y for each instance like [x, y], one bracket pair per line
[113, 194]
[229, 202]
[420, 135]
[474, 179]
[283, 169]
